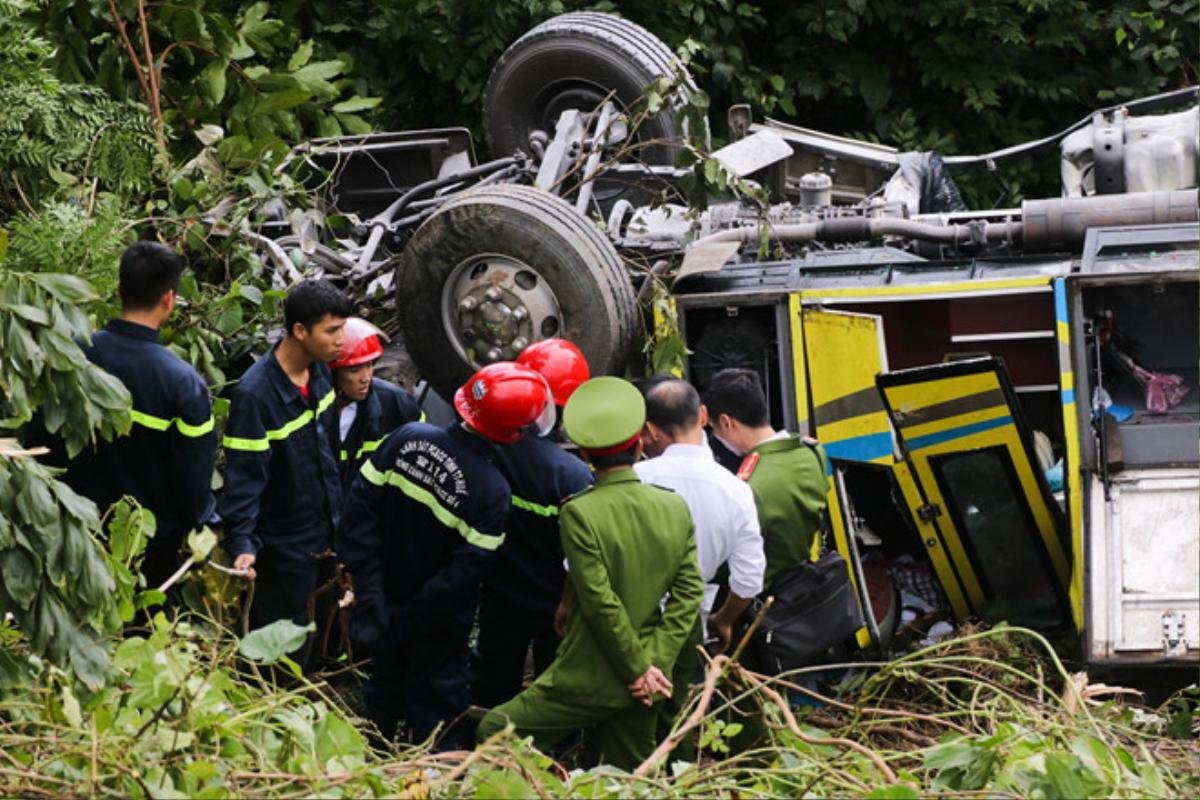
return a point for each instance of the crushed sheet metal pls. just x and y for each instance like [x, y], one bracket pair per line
[709, 257]
[749, 155]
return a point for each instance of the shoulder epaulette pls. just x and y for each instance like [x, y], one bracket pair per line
[580, 493]
[747, 468]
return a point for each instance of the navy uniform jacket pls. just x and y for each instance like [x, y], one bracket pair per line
[166, 461]
[425, 515]
[385, 408]
[528, 570]
[282, 486]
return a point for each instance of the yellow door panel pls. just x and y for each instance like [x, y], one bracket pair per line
[934, 543]
[969, 454]
[843, 353]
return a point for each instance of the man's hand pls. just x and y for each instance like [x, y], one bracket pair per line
[651, 682]
[560, 619]
[722, 631]
[246, 562]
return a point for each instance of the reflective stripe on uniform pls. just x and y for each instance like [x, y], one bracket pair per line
[423, 496]
[534, 508]
[260, 445]
[367, 447]
[159, 424]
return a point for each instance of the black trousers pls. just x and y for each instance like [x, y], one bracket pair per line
[422, 682]
[506, 633]
[287, 578]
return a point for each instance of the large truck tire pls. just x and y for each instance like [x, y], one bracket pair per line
[573, 61]
[500, 267]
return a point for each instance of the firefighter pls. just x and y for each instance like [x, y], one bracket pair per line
[166, 461]
[525, 582]
[282, 493]
[785, 471]
[627, 545]
[369, 408]
[425, 515]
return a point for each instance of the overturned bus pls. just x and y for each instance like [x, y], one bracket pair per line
[1009, 399]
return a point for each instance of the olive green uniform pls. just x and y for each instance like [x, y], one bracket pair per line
[627, 545]
[788, 479]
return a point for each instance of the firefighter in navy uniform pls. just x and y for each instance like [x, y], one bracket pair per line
[425, 515]
[628, 544]
[282, 493]
[525, 582]
[369, 408]
[166, 461]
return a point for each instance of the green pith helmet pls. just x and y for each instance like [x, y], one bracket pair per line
[604, 413]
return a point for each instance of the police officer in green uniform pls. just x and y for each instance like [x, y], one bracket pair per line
[786, 471]
[627, 544]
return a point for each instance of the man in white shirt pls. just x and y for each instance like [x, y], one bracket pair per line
[723, 509]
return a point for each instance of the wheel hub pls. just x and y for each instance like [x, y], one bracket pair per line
[493, 306]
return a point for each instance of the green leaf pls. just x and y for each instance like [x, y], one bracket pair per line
[229, 320]
[200, 543]
[70, 707]
[315, 77]
[28, 313]
[301, 56]
[212, 78]
[67, 288]
[951, 754]
[278, 101]
[354, 124]
[90, 662]
[251, 294]
[21, 576]
[268, 644]
[356, 104]
[1060, 771]
[899, 791]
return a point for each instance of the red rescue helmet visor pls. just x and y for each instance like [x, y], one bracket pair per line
[361, 342]
[560, 362]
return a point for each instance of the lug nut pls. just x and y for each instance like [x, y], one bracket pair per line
[494, 354]
[467, 304]
[469, 334]
[519, 344]
[493, 293]
[520, 312]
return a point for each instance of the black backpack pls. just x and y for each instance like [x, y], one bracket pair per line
[814, 615]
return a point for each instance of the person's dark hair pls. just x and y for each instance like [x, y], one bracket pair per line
[672, 404]
[625, 458]
[148, 270]
[738, 393]
[310, 300]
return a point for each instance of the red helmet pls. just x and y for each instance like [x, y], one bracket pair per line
[360, 345]
[503, 398]
[560, 362]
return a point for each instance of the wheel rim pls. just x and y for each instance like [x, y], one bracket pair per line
[584, 96]
[494, 306]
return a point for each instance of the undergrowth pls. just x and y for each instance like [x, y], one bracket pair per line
[185, 713]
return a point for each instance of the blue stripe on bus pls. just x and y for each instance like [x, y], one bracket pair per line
[930, 439]
[861, 448]
[1060, 299]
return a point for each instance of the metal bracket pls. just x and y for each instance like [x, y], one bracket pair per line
[1108, 152]
[1174, 640]
[559, 156]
